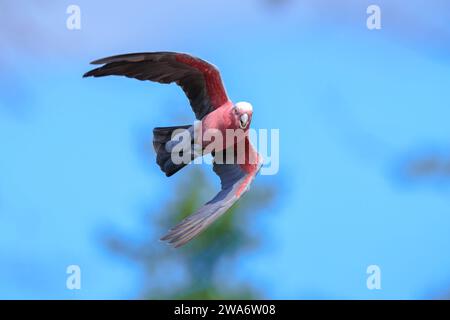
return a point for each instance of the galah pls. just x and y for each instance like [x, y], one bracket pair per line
[201, 82]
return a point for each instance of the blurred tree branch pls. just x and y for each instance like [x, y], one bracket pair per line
[195, 271]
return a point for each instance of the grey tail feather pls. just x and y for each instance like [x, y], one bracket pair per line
[161, 135]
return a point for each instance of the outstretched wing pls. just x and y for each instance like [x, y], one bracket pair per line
[199, 79]
[235, 181]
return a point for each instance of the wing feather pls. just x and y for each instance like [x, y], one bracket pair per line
[235, 181]
[199, 79]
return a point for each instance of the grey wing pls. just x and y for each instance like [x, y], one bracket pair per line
[233, 179]
[199, 79]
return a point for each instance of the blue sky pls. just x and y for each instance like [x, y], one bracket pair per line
[351, 105]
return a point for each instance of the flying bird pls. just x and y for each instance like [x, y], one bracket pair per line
[203, 86]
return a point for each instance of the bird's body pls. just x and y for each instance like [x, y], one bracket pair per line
[219, 119]
[228, 123]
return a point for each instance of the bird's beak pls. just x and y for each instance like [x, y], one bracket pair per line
[243, 121]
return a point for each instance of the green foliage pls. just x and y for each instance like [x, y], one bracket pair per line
[202, 269]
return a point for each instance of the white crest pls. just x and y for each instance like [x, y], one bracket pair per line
[244, 107]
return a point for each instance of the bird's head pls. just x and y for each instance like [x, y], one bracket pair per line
[242, 112]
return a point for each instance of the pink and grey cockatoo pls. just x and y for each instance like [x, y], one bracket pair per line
[203, 86]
